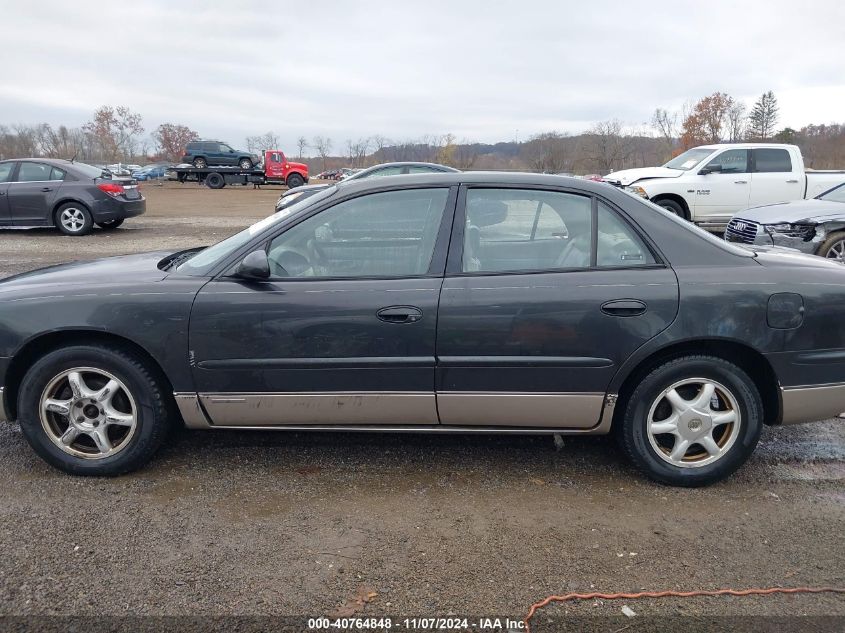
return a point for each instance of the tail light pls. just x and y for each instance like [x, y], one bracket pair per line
[112, 189]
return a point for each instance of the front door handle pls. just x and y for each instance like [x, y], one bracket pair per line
[792, 182]
[46, 189]
[740, 182]
[400, 314]
[624, 307]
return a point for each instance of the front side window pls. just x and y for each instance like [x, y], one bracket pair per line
[225, 149]
[390, 234]
[618, 244]
[518, 229]
[733, 161]
[33, 172]
[772, 160]
[6, 171]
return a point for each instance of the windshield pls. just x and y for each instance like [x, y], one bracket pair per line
[707, 235]
[689, 158]
[837, 194]
[206, 259]
[89, 171]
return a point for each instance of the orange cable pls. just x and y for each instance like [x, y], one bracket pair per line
[677, 594]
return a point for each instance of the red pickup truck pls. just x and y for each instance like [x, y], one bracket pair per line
[276, 169]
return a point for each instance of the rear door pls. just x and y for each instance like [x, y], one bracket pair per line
[773, 179]
[6, 170]
[546, 294]
[32, 193]
[726, 189]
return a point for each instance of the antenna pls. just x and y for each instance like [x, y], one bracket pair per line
[74, 156]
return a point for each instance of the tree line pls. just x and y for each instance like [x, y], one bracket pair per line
[115, 133]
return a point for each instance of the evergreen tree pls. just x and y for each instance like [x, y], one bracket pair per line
[763, 117]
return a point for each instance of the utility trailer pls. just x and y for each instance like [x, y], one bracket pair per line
[276, 169]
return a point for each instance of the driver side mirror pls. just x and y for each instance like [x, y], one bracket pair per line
[254, 266]
[712, 168]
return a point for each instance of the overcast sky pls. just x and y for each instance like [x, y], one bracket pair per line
[480, 70]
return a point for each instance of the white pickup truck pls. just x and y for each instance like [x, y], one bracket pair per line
[708, 184]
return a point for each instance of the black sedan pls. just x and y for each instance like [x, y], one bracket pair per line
[385, 169]
[71, 196]
[458, 303]
[815, 226]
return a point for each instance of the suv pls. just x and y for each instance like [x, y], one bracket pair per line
[201, 154]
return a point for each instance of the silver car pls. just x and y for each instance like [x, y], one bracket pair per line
[815, 226]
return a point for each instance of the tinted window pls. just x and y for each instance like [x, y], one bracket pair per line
[225, 149]
[618, 244]
[5, 171]
[734, 161]
[57, 174]
[88, 171]
[209, 147]
[515, 229]
[389, 234]
[33, 172]
[768, 160]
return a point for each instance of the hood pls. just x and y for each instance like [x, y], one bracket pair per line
[298, 166]
[630, 176]
[797, 212]
[111, 270]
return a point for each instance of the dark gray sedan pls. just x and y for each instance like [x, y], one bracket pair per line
[440, 303]
[73, 197]
[815, 226]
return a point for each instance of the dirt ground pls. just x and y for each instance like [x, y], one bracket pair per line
[269, 523]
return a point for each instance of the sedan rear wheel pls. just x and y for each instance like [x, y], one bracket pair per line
[74, 219]
[692, 421]
[91, 410]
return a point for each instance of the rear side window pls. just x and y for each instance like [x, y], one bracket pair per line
[210, 147]
[618, 244]
[57, 174]
[34, 172]
[193, 147]
[6, 171]
[772, 160]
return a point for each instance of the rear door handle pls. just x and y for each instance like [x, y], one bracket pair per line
[46, 189]
[740, 182]
[400, 314]
[791, 182]
[624, 307]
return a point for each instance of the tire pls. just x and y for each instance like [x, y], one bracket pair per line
[673, 207]
[215, 181]
[245, 163]
[138, 399]
[732, 442]
[294, 181]
[73, 218]
[111, 224]
[833, 247]
[200, 163]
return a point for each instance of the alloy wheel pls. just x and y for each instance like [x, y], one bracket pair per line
[693, 423]
[72, 219]
[88, 413]
[837, 251]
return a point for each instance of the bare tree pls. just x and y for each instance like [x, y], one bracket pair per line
[171, 139]
[262, 143]
[114, 131]
[301, 143]
[736, 122]
[606, 147]
[323, 145]
[665, 123]
[548, 152]
[380, 142]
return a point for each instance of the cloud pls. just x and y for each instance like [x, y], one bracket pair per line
[477, 69]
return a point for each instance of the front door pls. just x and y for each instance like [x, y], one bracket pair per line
[5, 175]
[32, 192]
[546, 294]
[343, 332]
[726, 189]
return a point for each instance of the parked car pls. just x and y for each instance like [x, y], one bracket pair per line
[814, 226]
[71, 196]
[201, 154]
[385, 169]
[448, 302]
[711, 183]
[150, 172]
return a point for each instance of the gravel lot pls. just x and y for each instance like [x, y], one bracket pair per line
[295, 524]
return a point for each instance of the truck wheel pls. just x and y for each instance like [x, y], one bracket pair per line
[200, 163]
[245, 163]
[672, 207]
[692, 421]
[74, 219]
[294, 181]
[93, 410]
[833, 247]
[215, 181]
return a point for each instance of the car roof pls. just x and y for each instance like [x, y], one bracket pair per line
[47, 161]
[473, 178]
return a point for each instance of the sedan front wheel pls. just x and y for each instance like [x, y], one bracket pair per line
[692, 421]
[91, 410]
